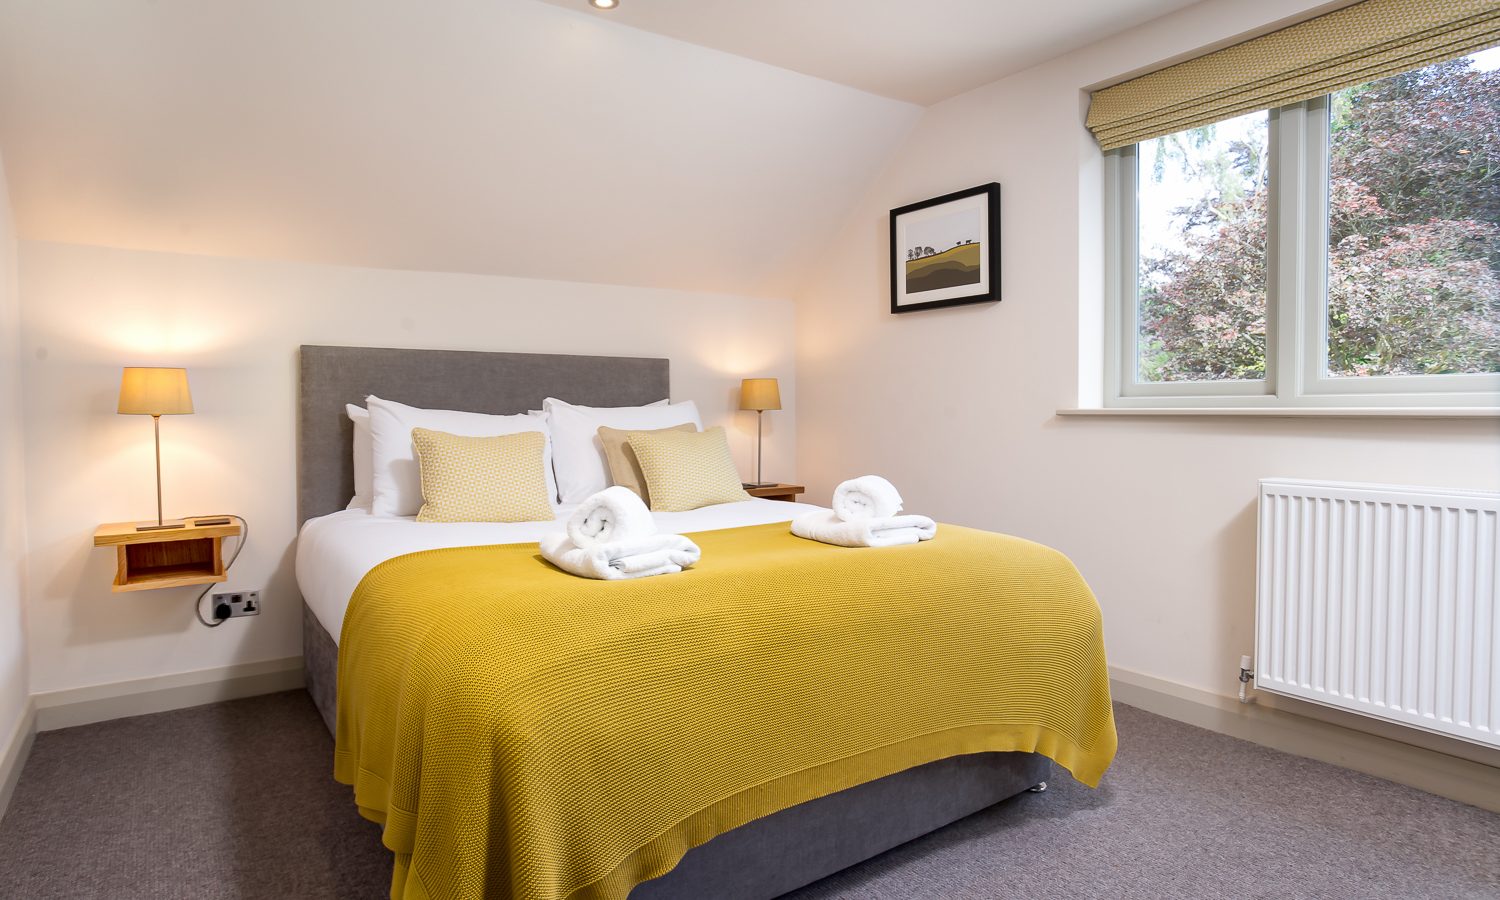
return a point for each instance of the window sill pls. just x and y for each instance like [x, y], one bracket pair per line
[1298, 412]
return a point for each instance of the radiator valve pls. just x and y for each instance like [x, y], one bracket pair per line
[1246, 673]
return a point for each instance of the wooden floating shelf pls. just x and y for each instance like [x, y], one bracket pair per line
[774, 491]
[172, 557]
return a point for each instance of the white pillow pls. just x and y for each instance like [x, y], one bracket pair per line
[578, 455]
[543, 412]
[395, 476]
[364, 491]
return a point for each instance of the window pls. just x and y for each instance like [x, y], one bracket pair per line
[1343, 251]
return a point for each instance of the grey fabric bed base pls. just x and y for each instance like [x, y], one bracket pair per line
[797, 846]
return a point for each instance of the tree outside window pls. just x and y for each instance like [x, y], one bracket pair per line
[1413, 235]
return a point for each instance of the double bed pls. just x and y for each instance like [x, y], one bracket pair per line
[779, 846]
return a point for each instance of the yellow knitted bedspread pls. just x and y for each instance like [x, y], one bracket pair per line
[523, 733]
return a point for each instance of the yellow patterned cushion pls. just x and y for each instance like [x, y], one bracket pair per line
[687, 469]
[624, 468]
[482, 479]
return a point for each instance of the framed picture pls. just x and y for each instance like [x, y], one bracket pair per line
[946, 251]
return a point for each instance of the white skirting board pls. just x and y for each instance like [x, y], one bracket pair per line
[15, 748]
[1446, 767]
[101, 702]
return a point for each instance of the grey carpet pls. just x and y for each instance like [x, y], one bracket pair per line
[235, 801]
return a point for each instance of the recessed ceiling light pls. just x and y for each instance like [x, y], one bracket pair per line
[604, 4]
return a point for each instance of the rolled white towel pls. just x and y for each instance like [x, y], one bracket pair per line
[888, 531]
[614, 514]
[657, 554]
[866, 497]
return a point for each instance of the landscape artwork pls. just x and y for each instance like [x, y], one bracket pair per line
[945, 251]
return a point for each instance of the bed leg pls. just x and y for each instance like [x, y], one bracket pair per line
[1038, 787]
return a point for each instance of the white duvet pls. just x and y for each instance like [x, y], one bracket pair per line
[334, 552]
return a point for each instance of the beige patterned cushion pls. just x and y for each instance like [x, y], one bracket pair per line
[482, 479]
[624, 468]
[685, 470]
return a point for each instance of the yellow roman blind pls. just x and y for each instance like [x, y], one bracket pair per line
[1359, 43]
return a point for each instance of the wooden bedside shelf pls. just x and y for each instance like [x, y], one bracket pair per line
[775, 491]
[176, 557]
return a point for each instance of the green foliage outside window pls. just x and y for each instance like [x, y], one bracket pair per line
[1413, 250]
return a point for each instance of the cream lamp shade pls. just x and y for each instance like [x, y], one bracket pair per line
[760, 394]
[154, 392]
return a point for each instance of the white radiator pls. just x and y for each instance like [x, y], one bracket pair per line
[1382, 600]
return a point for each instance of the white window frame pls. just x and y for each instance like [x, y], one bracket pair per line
[1296, 302]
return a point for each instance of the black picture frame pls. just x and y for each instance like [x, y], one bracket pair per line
[949, 278]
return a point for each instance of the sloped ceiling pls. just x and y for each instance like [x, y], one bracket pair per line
[917, 50]
[503, 136]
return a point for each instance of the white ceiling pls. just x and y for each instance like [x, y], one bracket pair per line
[487, 136]
[922, 51]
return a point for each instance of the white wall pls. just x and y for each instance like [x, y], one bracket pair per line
[13, 676]
[499, 137]
[236, 325]
[958, 406]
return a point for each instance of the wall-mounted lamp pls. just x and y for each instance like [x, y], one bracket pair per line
[155, 392]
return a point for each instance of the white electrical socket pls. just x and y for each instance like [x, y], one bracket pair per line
[240, 603]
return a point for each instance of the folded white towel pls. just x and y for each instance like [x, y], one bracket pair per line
[888, 531]
[614, 514]
[866, 497]
[657, 554]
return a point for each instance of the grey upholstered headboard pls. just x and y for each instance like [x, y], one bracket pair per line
[496, 383]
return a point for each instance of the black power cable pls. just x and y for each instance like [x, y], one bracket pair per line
[238, 547]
